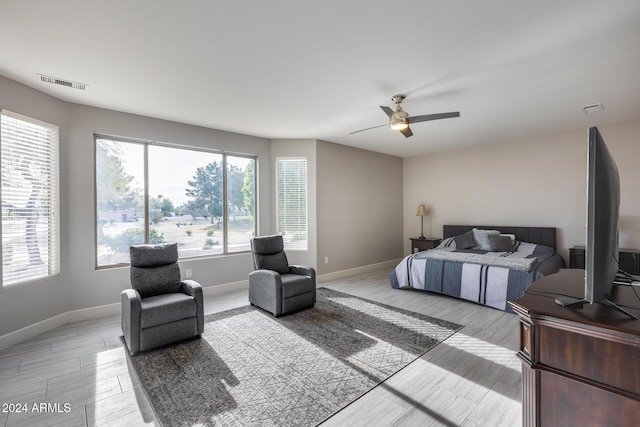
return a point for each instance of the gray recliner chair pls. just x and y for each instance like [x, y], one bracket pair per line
[276, 286]
[160, 308]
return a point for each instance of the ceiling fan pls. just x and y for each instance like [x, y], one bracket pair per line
[399, 120]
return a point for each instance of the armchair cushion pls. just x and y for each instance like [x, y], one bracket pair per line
[293, 285]
[276, 262]
[161, 309]
[156, 281]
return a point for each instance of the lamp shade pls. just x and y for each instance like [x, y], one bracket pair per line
[422, 210]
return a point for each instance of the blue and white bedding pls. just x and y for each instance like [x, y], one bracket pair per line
[481, 276]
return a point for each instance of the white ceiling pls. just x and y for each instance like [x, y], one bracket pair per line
[320, 68]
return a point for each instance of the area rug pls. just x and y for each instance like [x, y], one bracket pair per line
[251, 368]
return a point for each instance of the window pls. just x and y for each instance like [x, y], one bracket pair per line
[155, 193]
[241, 202]
[29, 192]
[291, 203]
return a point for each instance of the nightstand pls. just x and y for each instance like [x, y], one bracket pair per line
[418, 244]
[629, 259]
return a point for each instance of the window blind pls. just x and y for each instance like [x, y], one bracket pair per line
[291, 203]
[30, 198]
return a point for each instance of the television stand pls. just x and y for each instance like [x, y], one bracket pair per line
[618, 308]
[572, 302]
[579, 367]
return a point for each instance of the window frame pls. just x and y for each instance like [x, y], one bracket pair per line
[146, 197]
[52, 187]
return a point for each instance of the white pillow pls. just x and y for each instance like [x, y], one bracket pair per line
[449, 242]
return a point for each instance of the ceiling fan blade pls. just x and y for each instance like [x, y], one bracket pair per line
[388, 111]
[438, 116]
[373, 127]
[406, 132]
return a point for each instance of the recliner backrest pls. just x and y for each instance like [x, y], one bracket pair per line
[268, 253]
[155, 269]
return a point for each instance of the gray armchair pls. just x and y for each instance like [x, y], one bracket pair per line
[275, 286]
[160, 308]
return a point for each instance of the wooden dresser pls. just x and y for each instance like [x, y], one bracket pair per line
[580, 367]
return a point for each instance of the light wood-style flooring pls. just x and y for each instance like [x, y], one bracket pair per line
[471, 379]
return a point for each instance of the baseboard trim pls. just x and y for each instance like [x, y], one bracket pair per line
[225, 288]
[46, 325]
[108, 310]
[358, 270]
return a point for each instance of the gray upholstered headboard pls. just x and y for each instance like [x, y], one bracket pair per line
[538, 235]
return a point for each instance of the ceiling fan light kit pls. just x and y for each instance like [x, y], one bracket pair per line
[399, 120]
[398, 125]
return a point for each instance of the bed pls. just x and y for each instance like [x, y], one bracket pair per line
[473, 264]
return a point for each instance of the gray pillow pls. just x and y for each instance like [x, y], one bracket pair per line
[499, 243]
[541, 251]
[465, 240]
[482, 238]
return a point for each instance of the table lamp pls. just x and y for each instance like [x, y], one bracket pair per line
[422, 212]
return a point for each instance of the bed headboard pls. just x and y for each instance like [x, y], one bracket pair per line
[538, 235]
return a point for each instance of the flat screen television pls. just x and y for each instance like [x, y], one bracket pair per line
[603, 204]
[603, 213]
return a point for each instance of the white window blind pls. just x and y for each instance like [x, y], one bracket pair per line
[291, 203]
[29, 192]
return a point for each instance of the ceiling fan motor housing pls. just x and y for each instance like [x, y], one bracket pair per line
[398, 99]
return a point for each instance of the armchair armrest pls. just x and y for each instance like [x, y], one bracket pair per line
[265, 290]
[303, 270]
[131, 311]
[193, 289]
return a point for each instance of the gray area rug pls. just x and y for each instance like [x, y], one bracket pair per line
[250, 368]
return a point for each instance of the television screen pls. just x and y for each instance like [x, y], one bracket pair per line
[603, 202]
[603, 213]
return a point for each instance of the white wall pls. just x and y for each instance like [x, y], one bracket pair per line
[359, 207]
[535, 182]
[80, 285]
[355, 205]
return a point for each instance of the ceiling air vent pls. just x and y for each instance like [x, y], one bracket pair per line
[62, 82]
[593, 108]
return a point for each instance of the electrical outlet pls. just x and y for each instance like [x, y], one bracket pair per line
[326, 260]
[189, 273]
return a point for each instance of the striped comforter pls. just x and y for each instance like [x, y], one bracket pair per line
[486, 283]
